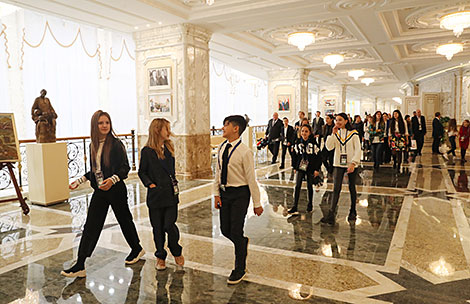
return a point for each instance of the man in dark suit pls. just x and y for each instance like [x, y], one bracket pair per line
[418, 125]
[273, 134]
[437, 133]
[287, 141]
[299, 122]
[317, 124]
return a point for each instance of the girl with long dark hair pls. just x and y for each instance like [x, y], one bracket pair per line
[157, 173]
[397, 138]
[377, 134]
[308, 165]
[452, 133]
[464, 139]
[109, 167]
[347, 147]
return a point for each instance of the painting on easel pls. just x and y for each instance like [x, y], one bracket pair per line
[9, 147]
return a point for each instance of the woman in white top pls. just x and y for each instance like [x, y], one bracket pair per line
[452, 133]
[347, 145]
[397, 138]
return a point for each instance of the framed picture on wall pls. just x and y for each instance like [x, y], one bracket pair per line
[329, 111]
[159, 78]
[9, 147]
[329, 101]
[160, 103]
[283, 102]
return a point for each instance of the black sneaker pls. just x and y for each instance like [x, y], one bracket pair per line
[135, 256]
[293, 211]
[330, 220]
[281, 167]
[76, 271]
[309, 208]
[352, 216]
[236, 276]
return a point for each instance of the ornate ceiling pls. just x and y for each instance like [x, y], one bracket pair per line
[392, 40]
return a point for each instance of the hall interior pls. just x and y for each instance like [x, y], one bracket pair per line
[410, 241]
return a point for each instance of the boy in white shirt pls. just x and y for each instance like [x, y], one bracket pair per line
[235, 182]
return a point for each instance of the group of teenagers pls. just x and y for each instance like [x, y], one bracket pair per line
[235, 184]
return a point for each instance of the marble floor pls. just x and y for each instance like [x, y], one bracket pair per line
[409, 244]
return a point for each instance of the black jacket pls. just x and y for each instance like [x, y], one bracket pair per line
[152, 171]
[359, 127]
[415, 125]
[290, 135]
[327, 130]
[274, 132]
[437, 128]
[118, 164]
[309, 150]
[317, 127]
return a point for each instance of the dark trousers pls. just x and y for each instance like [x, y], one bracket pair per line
[419, 142]
[338, 182]
[435, 144]
[235, 201]
[298, 186]
[397, 158]
[453, 145]
[387, 151]
[97, 211]
[377, 152]
[283, 155]
[274, 149]
[328, 158]
[462, 153]
[163, 221]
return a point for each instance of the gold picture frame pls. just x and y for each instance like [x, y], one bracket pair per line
[9, 144]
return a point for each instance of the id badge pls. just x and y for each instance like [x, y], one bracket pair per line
[303, 165]
[176, 189]
[343, 159]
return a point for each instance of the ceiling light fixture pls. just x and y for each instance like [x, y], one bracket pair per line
[367, 81]
[456, 22]
[301, 39]
[449, 49]
[210, 2]
[333, 60]
[356, 74]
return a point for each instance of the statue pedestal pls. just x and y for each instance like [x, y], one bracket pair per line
[48, 176]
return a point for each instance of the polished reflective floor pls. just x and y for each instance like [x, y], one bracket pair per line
[409, 244]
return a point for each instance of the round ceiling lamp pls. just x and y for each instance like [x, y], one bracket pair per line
[333, 60]
[301, 39]
[367, 81]
[449, 49]
[356, 74]
[210, 2]
[456, 22]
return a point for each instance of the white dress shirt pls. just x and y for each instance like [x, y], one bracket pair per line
[397, 128]
[240, 170]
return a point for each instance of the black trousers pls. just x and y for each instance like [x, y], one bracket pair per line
[163, 221]
[377, 152]
[453, 145]
[419, 142]
[283, 155]
[338, 182]
[274, 149]
[235, 201]
[387, 151]
[462, 153]
[435, 144]
[116, 196]
[298, 186]
[328, 158]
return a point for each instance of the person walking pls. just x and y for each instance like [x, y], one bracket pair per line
[347, 147]
[273, 135]
[317, 124]
[406, 152]
[387, 155]
[418, 125]
[328, 156]
[287, 142]
[452, 133]
[397, 138]
[437, 133]
[308, 166]
[157, 173]
[377, 135]
[235, 182]
[464, 139]
[109, 167]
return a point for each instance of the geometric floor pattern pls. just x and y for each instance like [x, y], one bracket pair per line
[409, 244]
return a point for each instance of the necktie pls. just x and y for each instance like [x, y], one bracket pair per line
[223, 178]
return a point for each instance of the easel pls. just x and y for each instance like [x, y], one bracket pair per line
[19, 196]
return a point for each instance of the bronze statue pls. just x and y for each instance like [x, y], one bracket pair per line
[44, 116]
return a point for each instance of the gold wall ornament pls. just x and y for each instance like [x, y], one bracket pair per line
[4, 33]
[64, 45]
[123, 46]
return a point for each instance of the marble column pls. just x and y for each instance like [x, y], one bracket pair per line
[289, 82]
[183, 50]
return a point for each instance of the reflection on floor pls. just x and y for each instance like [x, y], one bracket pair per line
[409, 244]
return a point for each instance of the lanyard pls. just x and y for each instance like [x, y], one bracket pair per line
[341, 145]
[230, 154]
